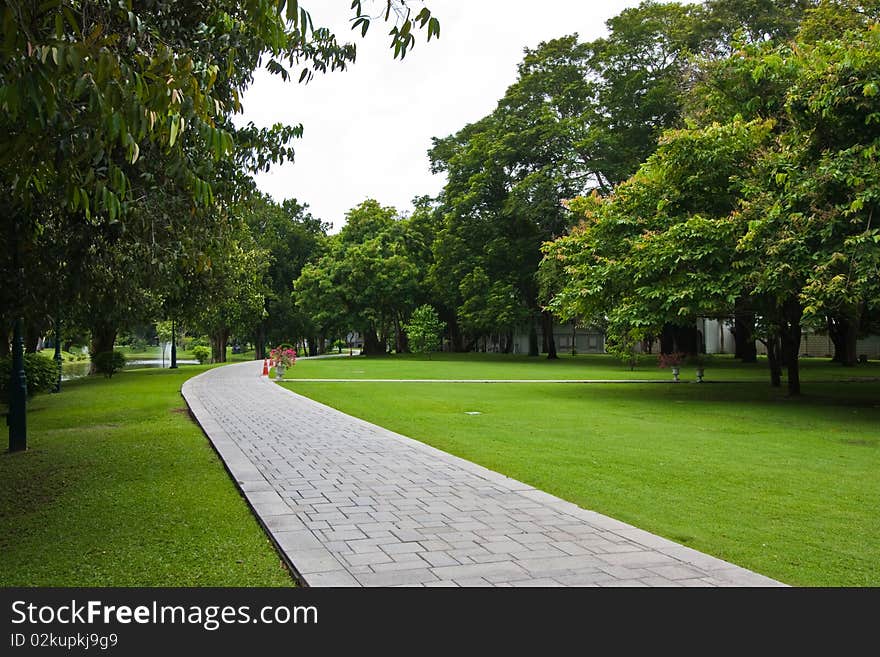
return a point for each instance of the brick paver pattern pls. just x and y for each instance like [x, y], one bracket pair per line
[353, 504]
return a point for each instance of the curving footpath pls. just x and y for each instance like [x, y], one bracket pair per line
[349, 503]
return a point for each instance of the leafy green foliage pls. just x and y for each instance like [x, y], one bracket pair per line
[108, 362]
[201, 354]
[770, 201]
[120, 160]
[581, 117]
[41, 374]
[367, 279]
[424, 330]
[290, 237]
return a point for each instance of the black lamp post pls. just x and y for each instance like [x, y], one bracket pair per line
[17, 417]
[173, 346]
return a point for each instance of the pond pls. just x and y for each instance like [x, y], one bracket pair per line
[80, 368]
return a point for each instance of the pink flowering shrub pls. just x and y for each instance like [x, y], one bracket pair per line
[283, 356]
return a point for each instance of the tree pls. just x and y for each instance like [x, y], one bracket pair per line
[580, 117]
[103, 101]
[424, 330]
[291, 237]
[366, 279]
[775, 213]
[656, 254]
[225, 293]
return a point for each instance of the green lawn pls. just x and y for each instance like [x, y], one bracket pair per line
[787, 487]
[511, 366]
[120, 488]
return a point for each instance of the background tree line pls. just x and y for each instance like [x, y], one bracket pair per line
[702, 160]
[709, 159]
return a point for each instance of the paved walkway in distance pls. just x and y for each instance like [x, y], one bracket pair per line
[352, 504]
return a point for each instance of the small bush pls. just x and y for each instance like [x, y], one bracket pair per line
[108, 362]
[40, 372]
[202, 353]
[424, 330]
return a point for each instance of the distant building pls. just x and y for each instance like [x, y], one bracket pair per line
[584, 340]
[718, 339]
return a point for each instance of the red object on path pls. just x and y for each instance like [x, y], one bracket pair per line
[265, 367]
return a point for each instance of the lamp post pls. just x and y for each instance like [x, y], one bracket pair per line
[173, 346]
[17, 418]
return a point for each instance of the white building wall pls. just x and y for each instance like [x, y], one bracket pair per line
[717, 335]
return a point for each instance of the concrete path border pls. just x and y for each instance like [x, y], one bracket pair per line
[349, 503]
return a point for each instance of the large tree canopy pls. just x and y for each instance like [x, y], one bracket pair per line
[118, 155]
[770, 205]
[367, 280]
[119, 160]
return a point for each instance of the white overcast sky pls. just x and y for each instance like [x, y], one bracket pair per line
[367, 130]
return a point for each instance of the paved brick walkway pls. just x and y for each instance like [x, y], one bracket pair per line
[352, 504]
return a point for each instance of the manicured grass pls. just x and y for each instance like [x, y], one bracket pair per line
[787, 487]
[119, 487]
[512, 366]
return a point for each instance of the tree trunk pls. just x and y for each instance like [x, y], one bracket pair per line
[313, 346]
[844, 334]
[103, 339]
[371, 343]
[401, 343]
[4, 340]
[456, 340]
[32, 334]
[791, 342]
[745, 348]
[260, 342]
[667, 340]
[774, 361]
[533, 338]
[218, 345]
[676, 338]
[548, 336]
[398, 341]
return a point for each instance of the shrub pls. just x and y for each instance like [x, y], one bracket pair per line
[202, 353]
[138, 345]
[201, 341]
[108, 362]
[674, 359]
[424, 330]
[626, 348]
[40, 372]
